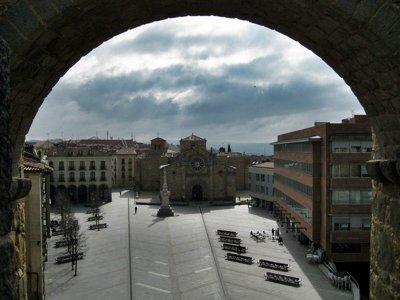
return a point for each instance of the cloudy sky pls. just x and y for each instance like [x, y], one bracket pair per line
[224, 79]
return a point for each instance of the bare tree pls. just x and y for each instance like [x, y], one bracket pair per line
[75, 241]
[63, 208]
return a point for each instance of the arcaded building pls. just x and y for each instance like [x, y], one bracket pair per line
[194, 173]
[322, 186]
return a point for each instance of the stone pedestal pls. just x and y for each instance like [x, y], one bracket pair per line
[165, 209]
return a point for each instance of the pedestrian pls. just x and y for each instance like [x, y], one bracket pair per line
[135, 210]
[120, 193]
[277, 232]
[273, 231]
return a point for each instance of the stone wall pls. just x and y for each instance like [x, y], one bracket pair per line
[385, 231]
[7, 246]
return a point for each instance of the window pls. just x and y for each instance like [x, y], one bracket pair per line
[80, 153]
[61, 165]
[341, 223]
[82, 165]
[366, 223]
[349, 170]
[71, 176]
[351, 144]
[295, 165]
[123, 175]
[294, 147]
[82, 176]
[262, 177]
[92, 165]
[50, 163]
[103, 176]
[61, 177]
[71, 165]
[92, 176]
[301, 210]
[302, 188]
[257, 177]
[346, 248]
[102, 165]
[130, 161]
[123, 161]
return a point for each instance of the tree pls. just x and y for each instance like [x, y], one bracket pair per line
[75, 240]
[63, 208]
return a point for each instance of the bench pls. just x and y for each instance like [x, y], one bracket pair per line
[57, 232]
[230, 240]
[68, 258]
[226, 233]
[239, 258]
[98, 226]
[65, 243]
[92, 210]
[90, 219]
[273, 265]
[234, 248]
[282, 279]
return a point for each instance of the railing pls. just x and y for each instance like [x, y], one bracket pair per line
[102, 167]
[92, 168]
[92, 179]
[82, 168]
[71, 168]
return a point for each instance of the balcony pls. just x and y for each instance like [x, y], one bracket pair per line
[82, 168]
[92, 168]
[71, 168]
[354, 235]
[102, 167]
[93, 179]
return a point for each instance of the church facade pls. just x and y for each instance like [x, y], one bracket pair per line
[194, 173]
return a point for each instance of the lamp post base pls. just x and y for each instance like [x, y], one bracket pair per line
[165, 211]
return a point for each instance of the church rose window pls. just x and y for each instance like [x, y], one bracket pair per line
[197, 164]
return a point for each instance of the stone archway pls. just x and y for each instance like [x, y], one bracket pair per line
[358, 39]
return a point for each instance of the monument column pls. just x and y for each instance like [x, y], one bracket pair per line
[165, 209]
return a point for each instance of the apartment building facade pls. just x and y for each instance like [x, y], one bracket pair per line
[261, 184]
[322, 187]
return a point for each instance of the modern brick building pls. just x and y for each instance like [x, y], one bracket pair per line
[322, 187]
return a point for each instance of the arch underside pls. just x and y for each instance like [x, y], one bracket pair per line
[360, 40]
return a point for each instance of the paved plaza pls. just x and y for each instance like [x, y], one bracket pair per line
[180, 258]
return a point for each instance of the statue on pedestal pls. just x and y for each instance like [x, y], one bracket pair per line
[165, 209]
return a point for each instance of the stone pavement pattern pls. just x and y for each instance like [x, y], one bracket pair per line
[172, 258]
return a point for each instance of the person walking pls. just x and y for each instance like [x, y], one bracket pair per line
[135, 210]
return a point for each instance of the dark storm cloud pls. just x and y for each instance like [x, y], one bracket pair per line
[224, 99]
[236, 94]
